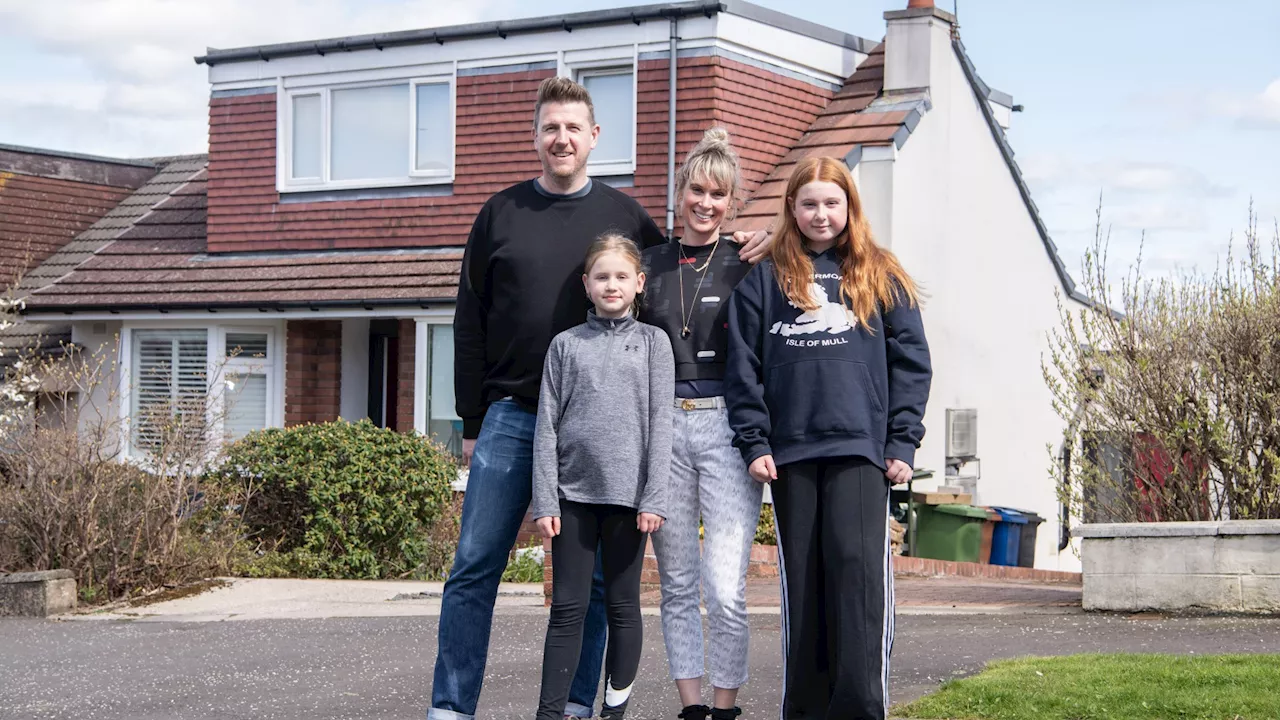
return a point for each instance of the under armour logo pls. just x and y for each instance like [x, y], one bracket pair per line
[631, 348]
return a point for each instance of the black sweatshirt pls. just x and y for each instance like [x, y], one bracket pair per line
[521, 285]
[805, 386]
[700, 357]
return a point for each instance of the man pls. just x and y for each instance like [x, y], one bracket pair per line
[520, 286]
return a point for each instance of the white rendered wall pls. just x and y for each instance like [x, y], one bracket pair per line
[100, 341]
[963, 231]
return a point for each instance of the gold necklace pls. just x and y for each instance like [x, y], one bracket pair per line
[686, 316]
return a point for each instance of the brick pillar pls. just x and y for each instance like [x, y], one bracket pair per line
[313, 371]
[405, 362]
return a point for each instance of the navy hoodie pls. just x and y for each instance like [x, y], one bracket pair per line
[804, 386]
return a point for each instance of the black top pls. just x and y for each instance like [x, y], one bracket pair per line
[521, 285]
[809, 385]
[700, 357]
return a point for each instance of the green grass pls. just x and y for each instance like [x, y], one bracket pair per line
[1111, 687]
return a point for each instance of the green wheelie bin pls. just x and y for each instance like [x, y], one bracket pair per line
[950, 532]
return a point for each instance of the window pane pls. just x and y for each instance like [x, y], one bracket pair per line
[306, 136]
[246, 345]
[169, 384]
[246, 398]
[443, 424]
[435, 128]
[370, 129]
[614, 102]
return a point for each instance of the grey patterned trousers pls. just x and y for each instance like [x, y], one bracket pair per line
[709, 480]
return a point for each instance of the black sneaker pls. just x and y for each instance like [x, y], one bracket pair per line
[609, 712]
[725, 713]
[695, 712]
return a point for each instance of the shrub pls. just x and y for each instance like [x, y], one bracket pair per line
[1172, 404]
[525, 565]
[69, 500]
[344, 500]
[766, 534]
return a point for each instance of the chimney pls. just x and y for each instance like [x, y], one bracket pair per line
[917, 47]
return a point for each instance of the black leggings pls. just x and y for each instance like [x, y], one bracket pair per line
[583, 527]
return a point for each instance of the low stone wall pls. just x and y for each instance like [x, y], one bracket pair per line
[37, 594]
[1227, 566]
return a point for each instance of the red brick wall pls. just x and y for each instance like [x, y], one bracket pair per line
[39, 215]
[765, 112]
[404, 373]
[313, 371]
[494, 150]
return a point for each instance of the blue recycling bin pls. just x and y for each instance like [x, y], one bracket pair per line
[1007, 536]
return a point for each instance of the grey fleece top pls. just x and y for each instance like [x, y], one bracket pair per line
[604, 418]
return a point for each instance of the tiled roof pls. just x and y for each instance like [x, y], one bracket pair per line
[152, 256]
[853, 118]
[38, 215]
[46, 339]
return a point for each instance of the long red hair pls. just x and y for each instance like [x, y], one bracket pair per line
[871, 276]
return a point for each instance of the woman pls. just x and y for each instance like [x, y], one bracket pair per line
[689, 283]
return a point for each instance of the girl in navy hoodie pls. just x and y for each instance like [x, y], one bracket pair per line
[827, 379]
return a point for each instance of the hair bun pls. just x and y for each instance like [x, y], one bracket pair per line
[716, 137]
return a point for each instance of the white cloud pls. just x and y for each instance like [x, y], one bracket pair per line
[1052, 172]
[1261, 110]
[134, 89]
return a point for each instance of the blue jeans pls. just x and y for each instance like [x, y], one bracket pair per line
[499, 490]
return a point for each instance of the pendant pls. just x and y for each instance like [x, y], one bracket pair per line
[684, 333]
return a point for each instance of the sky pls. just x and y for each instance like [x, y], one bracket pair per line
[1169, 111]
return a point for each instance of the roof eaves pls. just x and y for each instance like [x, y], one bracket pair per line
[982, 92]
[502, 29]
[77, 156]
[317, 305]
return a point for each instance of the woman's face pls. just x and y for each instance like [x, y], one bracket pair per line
[703, 206]
[821, 210]
[612, 282]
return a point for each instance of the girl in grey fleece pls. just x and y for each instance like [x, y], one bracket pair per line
[601, 458]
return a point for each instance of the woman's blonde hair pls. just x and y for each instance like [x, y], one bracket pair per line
[871, 276]
[712, 158]
[621, 244]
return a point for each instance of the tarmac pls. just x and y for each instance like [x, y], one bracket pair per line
[291, 649]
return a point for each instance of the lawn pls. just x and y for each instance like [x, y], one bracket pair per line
[1111, 687]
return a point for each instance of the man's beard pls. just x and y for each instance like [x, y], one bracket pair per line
[561, 173]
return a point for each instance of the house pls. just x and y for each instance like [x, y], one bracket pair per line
[47, 199]
[322, 234]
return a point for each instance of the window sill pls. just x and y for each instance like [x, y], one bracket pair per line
[373, 193]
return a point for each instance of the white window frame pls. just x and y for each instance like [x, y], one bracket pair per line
[422, 379]
[285, 181]
[611, 65]
[272, 366]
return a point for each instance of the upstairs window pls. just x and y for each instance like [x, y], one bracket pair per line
[368, 135]
[613, 93]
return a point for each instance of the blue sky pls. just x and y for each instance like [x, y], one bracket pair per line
[1170, 110]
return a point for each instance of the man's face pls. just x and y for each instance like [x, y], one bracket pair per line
[564, 138]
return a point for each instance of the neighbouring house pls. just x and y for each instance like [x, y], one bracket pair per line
[47, 200]
[322, 234]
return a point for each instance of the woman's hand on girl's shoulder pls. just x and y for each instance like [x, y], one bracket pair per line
[753, 246]
[648, 522]
[897, 472]
[549, 527]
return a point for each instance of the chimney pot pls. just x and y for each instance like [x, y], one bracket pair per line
[912, 4]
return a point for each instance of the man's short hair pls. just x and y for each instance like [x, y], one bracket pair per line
[562, 90]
